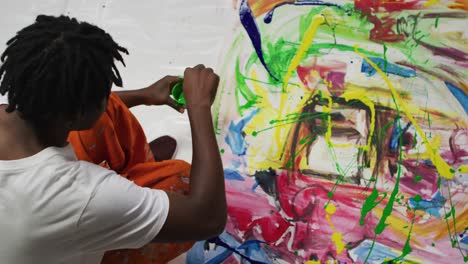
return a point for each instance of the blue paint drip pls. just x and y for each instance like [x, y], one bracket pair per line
[431, 207]
[459, 94]
[269, 16]
[464, 240]
[220, 258]
[196, 254]
[396, 134]
[390, 68]
[254, 186]
[230, 174]
[248, 21]
[250, 250]
[380, 252]
[235, 136]
[227, 245]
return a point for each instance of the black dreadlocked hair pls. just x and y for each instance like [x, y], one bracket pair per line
[58, 67]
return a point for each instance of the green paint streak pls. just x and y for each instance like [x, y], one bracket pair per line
[437, 21]
[429, 125]
[370, 204]
[222, 151]
[371, 248]
[385, 57]
[317, 48]
[305, 140]
[305, 144]
[417, 178]
[295, 117]
[407, 248]
[417, 198]
[455, 241]
[414, 141]
[389, 207]
[342, 172]
[277, 56]
[312, 139]
[242, 89]
[311, 117]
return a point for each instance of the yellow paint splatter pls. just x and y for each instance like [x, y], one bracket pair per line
[259, 121]
[430, 2]
[463, 169]
[309, 36]
[307, 41]
[338, 239]
[313, 262]
[330, 209]
[442, 167]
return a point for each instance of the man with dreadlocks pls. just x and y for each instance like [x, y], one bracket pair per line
[56, 204]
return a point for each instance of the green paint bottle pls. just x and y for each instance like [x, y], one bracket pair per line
[177, 93]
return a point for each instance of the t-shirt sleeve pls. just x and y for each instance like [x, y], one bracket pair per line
[121, 214]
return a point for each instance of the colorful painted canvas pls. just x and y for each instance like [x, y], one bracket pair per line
[343, 131]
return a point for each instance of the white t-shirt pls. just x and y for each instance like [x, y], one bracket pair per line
[55, 209]
[3, 99]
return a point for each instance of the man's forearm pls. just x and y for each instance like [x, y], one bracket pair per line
[133, 98]
[207, 179]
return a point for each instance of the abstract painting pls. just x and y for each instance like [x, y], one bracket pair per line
[343, 132]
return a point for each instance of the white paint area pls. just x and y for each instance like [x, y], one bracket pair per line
[163, 37]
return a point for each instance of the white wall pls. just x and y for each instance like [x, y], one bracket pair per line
[163, 37]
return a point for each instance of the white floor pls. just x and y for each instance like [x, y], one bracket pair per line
[163, 37]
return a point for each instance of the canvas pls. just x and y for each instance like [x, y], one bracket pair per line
[343, 132]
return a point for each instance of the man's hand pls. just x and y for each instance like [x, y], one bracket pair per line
[159, 93]
[200, 86]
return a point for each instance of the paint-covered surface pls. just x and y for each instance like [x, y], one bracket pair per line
[343, 131]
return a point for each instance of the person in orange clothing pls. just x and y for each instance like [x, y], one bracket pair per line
[117, 142]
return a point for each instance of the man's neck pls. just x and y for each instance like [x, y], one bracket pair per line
[20, 139]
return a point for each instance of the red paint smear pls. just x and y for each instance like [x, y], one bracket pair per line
[299, 223]
[252, 210]
[369, 6]
[331, 71]
[303, 73]
[302, 200]
[260, 7]
[383, 30]
[428, 182]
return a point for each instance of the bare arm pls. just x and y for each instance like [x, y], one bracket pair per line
[133, 98]
[157, 93]
[201, 214]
